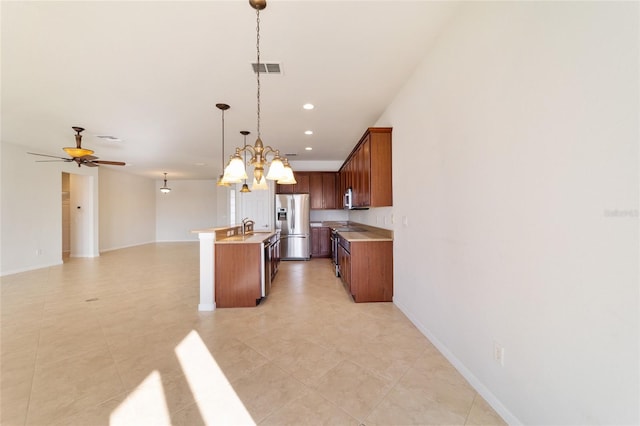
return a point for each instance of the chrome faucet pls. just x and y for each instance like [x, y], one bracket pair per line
[245, 224]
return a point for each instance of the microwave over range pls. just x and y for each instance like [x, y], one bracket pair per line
[348, 201]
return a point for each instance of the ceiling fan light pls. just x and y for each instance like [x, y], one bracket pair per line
[245, 188]
[77, 152]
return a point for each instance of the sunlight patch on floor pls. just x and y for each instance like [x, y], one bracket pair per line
[217, 402]
[146, 402]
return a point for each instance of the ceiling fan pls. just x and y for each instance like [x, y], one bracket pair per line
[82, 156]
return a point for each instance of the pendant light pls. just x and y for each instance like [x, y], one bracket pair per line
[235, 170]
[223, 108]
[165, 189]
[245, 187]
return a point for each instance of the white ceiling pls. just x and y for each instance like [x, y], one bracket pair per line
[151, 72]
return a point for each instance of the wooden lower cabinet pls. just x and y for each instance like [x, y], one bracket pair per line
[238, 279]
[320, 242]
[367, 270]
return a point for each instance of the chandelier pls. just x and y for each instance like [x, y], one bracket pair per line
[165, 189]
[279, 168]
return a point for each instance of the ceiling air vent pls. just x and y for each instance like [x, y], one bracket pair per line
[109, 138]
[267, 68]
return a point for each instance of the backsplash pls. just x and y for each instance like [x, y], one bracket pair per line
[329, 215]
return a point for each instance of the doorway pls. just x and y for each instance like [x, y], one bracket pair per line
[79, 216]
[66, 217]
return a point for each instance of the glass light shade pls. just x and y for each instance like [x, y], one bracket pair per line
[235, 171]
[221, 181]
[289, 179]
[262, 185]
[227, 180]
[245, 188]
[276, 169]
[77, 152]
[165, 190]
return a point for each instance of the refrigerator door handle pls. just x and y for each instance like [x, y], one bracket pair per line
[293, 215]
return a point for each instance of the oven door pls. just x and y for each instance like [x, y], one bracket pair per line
[266, 271]
[334, 251]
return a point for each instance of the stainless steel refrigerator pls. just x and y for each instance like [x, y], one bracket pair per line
[292, 219]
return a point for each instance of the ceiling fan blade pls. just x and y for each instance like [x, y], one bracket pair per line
[52, 156]
[110, 163]
[89, 164]
[88, 157]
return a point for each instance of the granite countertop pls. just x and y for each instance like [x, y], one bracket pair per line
[355, 232]
[364, 236]
[254, 238]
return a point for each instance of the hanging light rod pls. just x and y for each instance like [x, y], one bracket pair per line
[245, 187]
[221, 181]
[279, 169]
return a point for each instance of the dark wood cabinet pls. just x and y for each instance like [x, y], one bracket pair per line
[322, 190]
[321, 187]
[367, 170]
[239, 282]
[302, 187]
[366, 270]
[329, 191]
[320, 242]
[315, 191]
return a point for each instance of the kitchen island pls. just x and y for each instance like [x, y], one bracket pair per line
[235, 269]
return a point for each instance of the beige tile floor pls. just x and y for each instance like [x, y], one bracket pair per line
[118, 340]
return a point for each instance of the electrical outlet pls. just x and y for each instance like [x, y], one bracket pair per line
[498, 353]
[393, 219]
[405, 221]
[38, 252]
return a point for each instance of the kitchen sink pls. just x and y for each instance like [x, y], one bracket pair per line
[351, 229]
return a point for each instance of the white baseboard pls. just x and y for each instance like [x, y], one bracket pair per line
[484, 392]
[206, 306]
[30, 268]
[84, 255]
[104, 250]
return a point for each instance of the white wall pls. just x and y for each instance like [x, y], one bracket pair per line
[31, 210]
[127, 209]
[515, 159]
[190, 205]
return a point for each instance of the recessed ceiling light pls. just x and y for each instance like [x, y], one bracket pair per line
[308, 132]
[308, 148]
[200, 164]
[109, 138]
[308, 106]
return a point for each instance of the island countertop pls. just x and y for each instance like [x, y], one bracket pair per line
[253, 238]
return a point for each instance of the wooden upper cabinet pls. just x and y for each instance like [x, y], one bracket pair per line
[315, 191]
[302, 187]
[367, 170]
[329, 191]
[322, 190]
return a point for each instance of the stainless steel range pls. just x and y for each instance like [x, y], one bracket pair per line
[334, 251]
